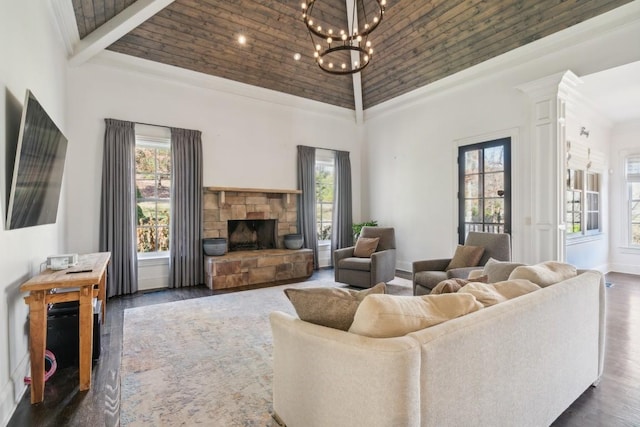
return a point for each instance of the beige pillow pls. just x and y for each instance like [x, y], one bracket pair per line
[386, 316]
[499, 270]
[365, 246]
[466, 256]
[453, 285]
[331, 307]
[546, 273]
[494, 293]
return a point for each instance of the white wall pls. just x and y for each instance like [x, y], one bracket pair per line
[31, 57]
[625, 139]
[247, 142]
[411, 141]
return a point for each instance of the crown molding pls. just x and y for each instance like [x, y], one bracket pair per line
[177, 75]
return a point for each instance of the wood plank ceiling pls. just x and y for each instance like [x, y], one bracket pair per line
[417, 43]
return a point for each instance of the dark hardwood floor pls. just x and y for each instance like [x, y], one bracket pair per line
[615, 402]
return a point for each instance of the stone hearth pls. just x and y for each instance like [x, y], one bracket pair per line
[243, 268]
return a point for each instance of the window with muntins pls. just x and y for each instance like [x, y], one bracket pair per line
[325, 182]
[632, 176]
[153, 194]
[582, 215]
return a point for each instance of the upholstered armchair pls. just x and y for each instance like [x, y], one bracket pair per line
[365, 272]
[428, 273]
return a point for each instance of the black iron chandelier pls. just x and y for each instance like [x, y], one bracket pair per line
[343, 50]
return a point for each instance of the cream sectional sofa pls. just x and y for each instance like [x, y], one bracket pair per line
[518, 363]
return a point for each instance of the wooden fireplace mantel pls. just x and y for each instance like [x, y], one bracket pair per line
[286, 193]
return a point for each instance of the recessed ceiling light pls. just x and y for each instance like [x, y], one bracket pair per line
[242, 39]
[297, 56]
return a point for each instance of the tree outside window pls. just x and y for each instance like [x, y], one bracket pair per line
[153, 196]
[324, 197]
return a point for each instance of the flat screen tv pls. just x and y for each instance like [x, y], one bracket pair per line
[38, 167]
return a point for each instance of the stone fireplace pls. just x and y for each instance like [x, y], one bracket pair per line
[254, 222]
[223, 204]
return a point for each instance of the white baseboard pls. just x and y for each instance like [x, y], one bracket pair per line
[13, 391]
[624, 268]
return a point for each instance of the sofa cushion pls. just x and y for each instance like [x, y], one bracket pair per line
[365, 246]
[546, 273]
[429, 279]
[466, 256]
[453, 285]
[499, 271]
[331, 307]
[353, 263]
[493, 293]
[386, 316]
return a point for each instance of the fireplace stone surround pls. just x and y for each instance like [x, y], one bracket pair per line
[224, 208]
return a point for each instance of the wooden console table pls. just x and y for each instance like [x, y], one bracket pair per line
[82, 282]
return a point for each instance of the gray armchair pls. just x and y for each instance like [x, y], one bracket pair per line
[366, 272]
[427, 274]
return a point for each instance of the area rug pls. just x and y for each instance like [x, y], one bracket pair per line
[206, 360]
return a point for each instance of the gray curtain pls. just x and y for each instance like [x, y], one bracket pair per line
[185, 248]
[342, 233]
[307, 200]
[117, 207]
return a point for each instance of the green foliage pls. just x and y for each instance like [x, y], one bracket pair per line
[324, 186]
[324, 232]
[357, 228]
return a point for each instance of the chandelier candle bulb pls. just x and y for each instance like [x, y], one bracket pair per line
[355, 41]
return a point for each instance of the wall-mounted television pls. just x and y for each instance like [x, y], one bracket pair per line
[37, 171]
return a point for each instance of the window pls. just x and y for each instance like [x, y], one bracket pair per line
[632, 175]
[485, 187]
[583, 203]
[324, 193]
[153, 194]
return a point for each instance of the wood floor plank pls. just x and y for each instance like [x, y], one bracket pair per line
[615, 402]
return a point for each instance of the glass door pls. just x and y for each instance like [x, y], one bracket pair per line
[484, 183]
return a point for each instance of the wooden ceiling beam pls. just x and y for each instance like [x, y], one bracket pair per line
[115, 28]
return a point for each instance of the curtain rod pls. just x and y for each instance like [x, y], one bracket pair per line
[152, 124]
[322, 148]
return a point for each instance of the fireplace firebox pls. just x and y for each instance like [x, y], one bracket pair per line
[251, 234]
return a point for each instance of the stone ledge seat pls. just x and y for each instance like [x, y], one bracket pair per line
[242, 268]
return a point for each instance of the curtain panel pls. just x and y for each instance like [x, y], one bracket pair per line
[342, 232]
[307, 200]
[117, 207]
[185, 247]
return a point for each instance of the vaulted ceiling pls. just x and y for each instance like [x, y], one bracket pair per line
[418, 41]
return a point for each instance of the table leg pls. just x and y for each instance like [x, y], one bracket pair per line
[102, 294]
[86, 336]
[37, 342]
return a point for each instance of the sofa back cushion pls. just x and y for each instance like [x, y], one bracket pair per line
[546, 273]
[489, 294]
[386, 316]
[454, 284]
[499, 271]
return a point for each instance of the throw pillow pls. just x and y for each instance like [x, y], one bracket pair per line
[466, 256]
[386, 316]
[365, 246]
[331, 307]
[494, 293]
[499, 270]
[546, 273]
[451, 286]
